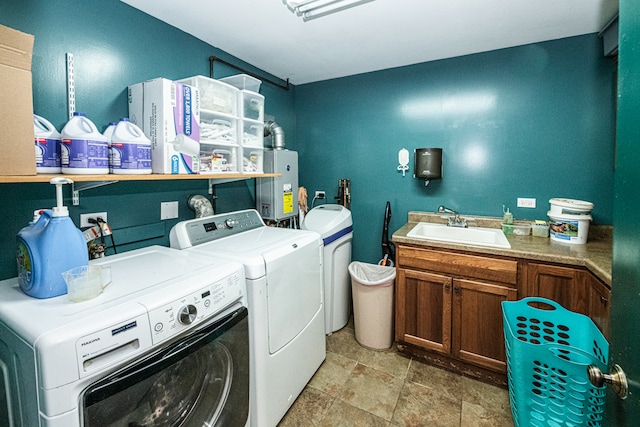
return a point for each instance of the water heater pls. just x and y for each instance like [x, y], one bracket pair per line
[277, 197]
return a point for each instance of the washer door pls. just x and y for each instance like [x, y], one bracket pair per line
[194, 382]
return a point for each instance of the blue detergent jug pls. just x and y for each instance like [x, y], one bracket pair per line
[47, 247]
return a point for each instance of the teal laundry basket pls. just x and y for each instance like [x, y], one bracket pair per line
[548, 350]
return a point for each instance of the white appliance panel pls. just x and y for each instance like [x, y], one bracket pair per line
[294, 291]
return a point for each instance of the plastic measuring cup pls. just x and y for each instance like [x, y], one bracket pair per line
[86, 282]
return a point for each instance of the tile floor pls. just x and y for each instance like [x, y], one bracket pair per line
[358, 387]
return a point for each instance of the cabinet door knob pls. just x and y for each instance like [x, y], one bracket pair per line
[603, 299]
[447, 287]
[457, 289]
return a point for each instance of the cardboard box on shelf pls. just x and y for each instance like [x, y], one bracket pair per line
[168, 113]
[17, 147]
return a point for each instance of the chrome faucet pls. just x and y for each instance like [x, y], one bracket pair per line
[456, 221]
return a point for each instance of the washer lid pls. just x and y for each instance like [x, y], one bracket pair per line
[139, 279]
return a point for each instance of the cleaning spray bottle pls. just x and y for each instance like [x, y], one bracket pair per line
[47, 247]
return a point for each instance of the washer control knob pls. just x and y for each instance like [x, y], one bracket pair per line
[187, 314]
[231, 222]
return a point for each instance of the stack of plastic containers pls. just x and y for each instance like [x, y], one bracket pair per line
[219, 121]
[251, 121]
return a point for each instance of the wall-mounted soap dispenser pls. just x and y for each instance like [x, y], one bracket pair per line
[428, 164]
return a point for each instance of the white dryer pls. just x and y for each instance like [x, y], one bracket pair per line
[283, 269]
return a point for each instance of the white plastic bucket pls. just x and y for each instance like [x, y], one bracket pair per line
[130, 150]
[47, 141]
[84, 150]
[569, 228]
[569, 207]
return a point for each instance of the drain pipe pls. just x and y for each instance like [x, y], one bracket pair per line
[277, 134]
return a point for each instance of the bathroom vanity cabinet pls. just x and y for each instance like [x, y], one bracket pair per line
[448, 308]
[576, 289]
[448, 303]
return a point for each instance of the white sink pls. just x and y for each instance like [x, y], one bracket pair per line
[479, 236]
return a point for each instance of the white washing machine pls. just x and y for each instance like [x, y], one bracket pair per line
[166, 343]
[283, 269]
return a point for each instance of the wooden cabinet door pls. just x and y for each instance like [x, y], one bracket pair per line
[564, 285]
[423, 310]
[600, 307]
[478, 334]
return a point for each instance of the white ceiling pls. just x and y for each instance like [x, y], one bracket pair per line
[376, 35]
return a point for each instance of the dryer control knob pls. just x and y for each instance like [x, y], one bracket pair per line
[231, 222]
[187, 314]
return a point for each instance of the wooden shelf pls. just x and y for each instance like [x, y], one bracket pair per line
[150, 177]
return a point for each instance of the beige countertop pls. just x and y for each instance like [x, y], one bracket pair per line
[596, 254]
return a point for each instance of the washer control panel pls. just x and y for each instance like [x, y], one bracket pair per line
[201, 230]
[182, 313]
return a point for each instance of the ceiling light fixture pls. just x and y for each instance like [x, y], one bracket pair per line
[312, 9]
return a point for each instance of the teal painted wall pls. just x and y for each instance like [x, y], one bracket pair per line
[115, 45]
[531, 121]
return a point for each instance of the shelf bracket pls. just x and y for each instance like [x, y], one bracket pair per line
[76, 188]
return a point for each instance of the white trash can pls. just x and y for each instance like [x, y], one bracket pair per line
[372, 292]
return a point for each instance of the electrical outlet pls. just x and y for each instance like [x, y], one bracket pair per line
[319, 194]
[84, 218]
[168, 210]
[526, 202]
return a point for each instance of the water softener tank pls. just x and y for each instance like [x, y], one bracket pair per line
[47, 247]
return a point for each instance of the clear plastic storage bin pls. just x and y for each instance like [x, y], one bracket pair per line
[218, 129]
[216, 158]
[215, 95]
[252, 105]
[252, 160]
[243, 82]
[252, 134]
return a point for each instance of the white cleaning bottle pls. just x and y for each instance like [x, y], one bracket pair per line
[84, 150]
[129, 150]
[47, 140]
[47, 247]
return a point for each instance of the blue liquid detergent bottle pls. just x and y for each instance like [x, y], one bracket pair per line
[47, 247]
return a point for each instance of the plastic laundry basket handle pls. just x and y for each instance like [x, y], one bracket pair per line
[539, 300]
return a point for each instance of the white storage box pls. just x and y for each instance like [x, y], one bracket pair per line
[243, 82]
[218, 158]
[252, 106]
[215, 95]
[168, 114]
[252, 160]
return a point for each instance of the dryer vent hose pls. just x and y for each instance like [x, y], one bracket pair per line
[277, 134]
[201, 205]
